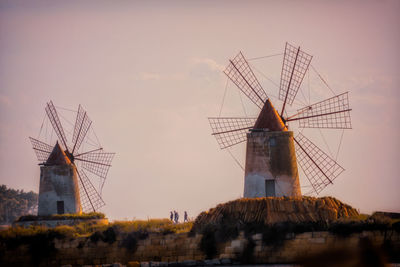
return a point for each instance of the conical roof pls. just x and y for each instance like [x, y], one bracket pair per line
[269, 119]
[57, 157]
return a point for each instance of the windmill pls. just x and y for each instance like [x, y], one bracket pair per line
[65, 187]
[272, 151]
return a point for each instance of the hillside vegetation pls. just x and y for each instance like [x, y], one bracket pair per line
[15, 203]
[90, 229]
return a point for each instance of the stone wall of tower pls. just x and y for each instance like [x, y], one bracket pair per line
[271, 156]
[58, 183]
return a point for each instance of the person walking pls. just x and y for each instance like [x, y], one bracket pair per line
[175, 216]
[185, 217]
[171, 216]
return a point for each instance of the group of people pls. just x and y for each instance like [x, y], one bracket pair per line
[174, 216]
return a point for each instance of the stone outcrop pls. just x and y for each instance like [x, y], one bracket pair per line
[271, 210]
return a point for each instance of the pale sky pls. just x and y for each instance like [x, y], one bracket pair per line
[149, 75]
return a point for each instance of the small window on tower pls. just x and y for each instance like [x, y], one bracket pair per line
[269, 188]
[272, 142]
[60, 207]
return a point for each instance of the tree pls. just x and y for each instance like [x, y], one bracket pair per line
[15, 203]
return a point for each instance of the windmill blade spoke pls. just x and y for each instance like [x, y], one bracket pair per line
[230, 131]
[55, 122]
[96, 162]
[42, 150]
[240, 73]
[82, 125]
[90, 198]
[319, 168]
[87, 152]
[294, 67]
[331, 113]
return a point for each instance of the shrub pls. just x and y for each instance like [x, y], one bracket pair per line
[130, 242]
[208, 243]
[346, 228]
[96, 236]
[108, 236]
[73, 216]
[87, 228]
[380, 220]
[164, 226]
[131, 239]
[65, 230]
[41, 246]
[396, 226]
[40, 240]
[228, 230]
[275, 234]
[248, 251]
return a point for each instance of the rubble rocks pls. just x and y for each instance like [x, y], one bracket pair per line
[272, 210]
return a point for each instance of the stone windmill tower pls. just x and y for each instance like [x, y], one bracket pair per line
[272, 150]
[58, 185]
[64, 185]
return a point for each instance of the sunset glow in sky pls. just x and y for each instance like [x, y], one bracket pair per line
[150, 73]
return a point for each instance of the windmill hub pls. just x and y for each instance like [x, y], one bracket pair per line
[69, 155]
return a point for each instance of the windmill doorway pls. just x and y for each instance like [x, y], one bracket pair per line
[60, 207]
[269, 188]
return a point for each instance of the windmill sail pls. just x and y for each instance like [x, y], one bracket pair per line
[90, 198]
[230, 131]
[55, 122]
[96, 162]
[294, 67]
[332, 113]
[319, 168]
[240, 73]
[82, 125]
[42, 150]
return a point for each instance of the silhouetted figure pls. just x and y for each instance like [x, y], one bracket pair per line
[176, 215]
[185, 217]
[171, 216]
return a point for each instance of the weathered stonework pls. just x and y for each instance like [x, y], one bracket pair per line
[162, 250]
[271, 167]
[58, 183]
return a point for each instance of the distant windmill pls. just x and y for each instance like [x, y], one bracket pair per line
[64, 186]
[271, 168]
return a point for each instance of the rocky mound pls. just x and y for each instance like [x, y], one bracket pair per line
[272, 210]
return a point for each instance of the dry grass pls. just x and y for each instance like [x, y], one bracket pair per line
[164, 226]
[82, 216]
[15, 232]
[152, 225]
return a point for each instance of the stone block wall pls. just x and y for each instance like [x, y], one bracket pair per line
[162, 250]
